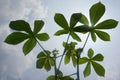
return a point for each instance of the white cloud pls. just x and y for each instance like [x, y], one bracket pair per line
[12, 60]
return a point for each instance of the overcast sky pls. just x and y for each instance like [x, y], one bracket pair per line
[15, 66]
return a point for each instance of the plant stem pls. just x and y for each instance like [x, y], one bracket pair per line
[40, 45]
[72, 74]
[86, 40]
[63, 52]
[78, 57]
[78, 77]
[55, 68]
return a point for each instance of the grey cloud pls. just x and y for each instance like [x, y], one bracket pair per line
[35, 9]
[22, 9]
[12, 61]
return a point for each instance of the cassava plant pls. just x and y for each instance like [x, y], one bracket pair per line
[47, 59]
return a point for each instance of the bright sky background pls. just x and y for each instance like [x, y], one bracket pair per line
[15, 66]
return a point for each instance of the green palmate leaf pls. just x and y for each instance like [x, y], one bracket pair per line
[90, 53]
[84, 20]
[47, 53]
[87, 70]
[70, 53]
[64, 44]
[99, 69]
[61, 32]
[47, 65]
[38, 24]
[98, 57]
[41, 55]
[51, 61]
[75, 36]
[96, 12]
[29, 45]
[61, 21]
[42, 36]
[52, 77]
[82, 29]
[74, 19]
[40, 63]
[45, 60]
[16, 38]
[107, 24]
[74, 61]
[20, 25]
[67, 58]
[93, 36]
[73, 52]
[103, 35]
[83, 60]
[73, 44]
